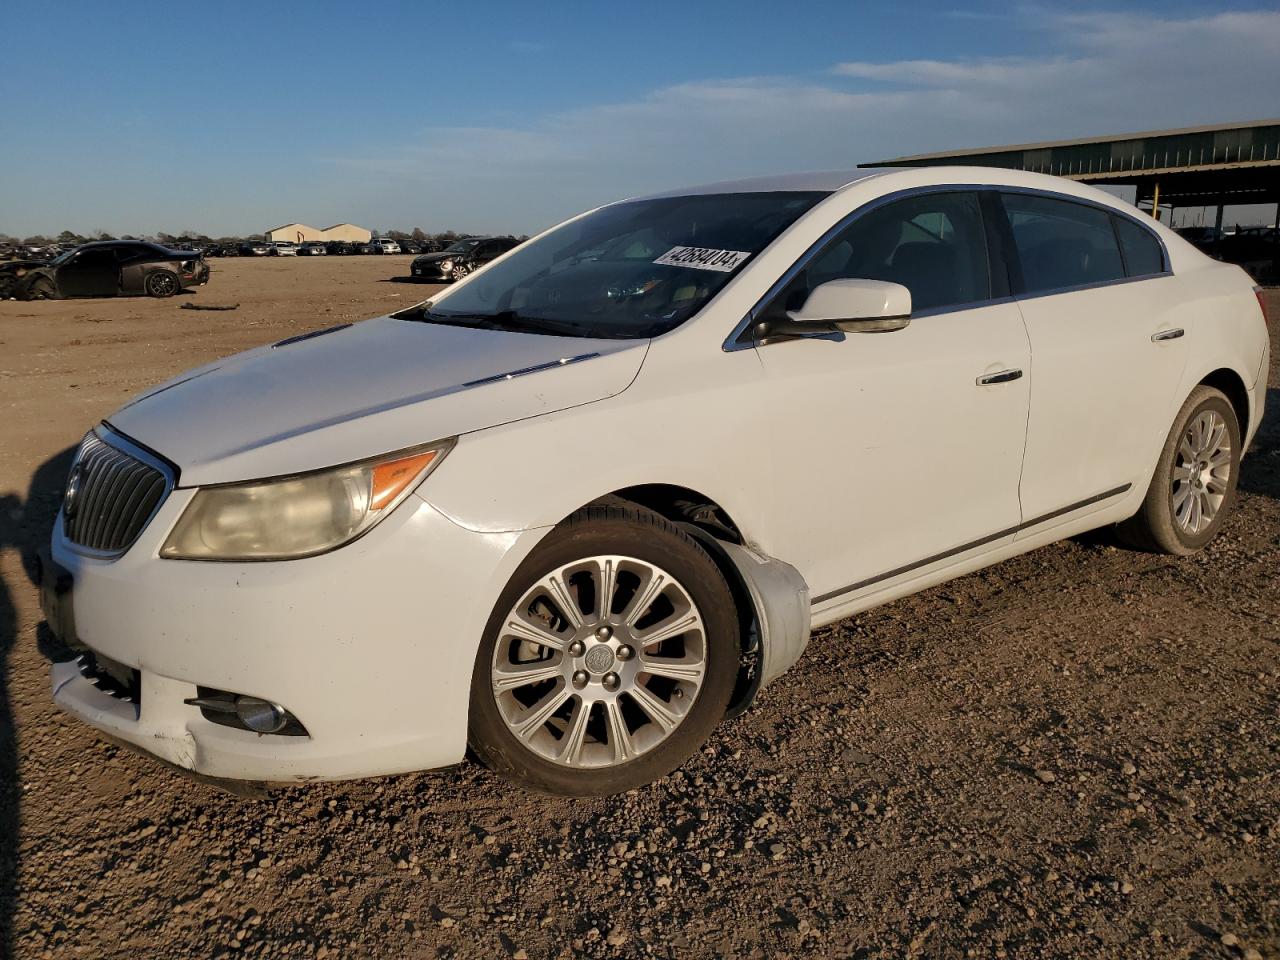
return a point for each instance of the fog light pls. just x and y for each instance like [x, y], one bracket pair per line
[261, 716]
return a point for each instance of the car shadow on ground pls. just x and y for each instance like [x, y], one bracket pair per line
[24, 526]
[1260, 470]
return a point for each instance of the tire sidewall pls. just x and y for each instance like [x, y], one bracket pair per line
[679, 556]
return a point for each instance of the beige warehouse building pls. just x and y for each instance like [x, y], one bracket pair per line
[302, 233]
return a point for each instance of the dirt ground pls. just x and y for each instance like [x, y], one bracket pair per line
[1072, 754]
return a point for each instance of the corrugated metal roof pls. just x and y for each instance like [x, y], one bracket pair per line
[1082, 141]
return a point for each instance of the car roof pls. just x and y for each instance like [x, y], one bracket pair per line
[825, 181]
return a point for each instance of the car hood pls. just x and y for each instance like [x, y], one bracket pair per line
[13, 266]
[362, 390]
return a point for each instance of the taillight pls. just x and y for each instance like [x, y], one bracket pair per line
[1262, 304]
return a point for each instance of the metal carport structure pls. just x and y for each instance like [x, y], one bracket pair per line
[1208, 166]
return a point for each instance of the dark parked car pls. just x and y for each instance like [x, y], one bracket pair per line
[363, 248]
[112, 268]
[312, 248]
[460, 258]
[409, 246]
[1203, 238]
[254, 248]
[1257, 249]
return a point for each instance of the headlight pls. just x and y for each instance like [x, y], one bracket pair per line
[446, 265]
[300, 516]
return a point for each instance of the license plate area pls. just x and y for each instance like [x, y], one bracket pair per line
[56, 586]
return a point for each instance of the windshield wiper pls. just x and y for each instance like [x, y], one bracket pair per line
[512, 321]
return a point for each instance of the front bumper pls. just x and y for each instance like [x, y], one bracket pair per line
[370, 646]
[430, 271]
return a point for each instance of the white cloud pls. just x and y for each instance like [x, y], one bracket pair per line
[1107, 73]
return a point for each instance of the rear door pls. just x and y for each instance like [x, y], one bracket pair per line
[1095, 293]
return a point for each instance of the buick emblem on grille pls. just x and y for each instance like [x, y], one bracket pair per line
[72, 496]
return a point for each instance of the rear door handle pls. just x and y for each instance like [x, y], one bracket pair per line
[1004, 376]
[1163, 335]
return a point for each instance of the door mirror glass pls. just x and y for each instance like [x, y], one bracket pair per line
[855, 306]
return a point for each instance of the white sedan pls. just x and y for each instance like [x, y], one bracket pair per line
[581, 506]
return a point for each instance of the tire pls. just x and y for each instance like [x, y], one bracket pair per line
[578, 750]
[460, 270]
[1185, 505]
[41, 288]
[161, 284]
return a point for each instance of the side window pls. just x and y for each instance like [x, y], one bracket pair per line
[933, 244]
[95, 259]
[1142, 254]
[1062, 244]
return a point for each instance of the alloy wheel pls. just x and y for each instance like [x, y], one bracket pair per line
[161, 284]
[1201, 472]
[599, 661]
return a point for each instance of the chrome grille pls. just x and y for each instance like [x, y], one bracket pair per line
[110, 496]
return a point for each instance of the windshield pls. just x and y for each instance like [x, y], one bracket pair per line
[462, 246]
[628, 270]
[63, 257]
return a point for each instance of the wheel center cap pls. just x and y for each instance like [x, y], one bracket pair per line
[599, 659]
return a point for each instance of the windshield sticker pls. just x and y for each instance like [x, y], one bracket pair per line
[703, 258]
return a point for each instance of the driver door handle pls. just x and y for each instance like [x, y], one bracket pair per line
[1163, 335]
[1004, 376]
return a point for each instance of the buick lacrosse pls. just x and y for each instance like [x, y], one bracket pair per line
[585, 504]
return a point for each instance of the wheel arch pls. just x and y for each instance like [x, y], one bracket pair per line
[1237, 392]
[770, 596]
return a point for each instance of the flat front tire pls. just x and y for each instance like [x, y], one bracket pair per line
[609, 658]
[1194, 484]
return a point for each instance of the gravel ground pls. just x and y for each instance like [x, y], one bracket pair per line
[1071, 754]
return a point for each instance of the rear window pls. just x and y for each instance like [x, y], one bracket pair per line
[1142, 254]
[1062, 244]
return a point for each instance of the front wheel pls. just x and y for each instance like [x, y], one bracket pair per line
[42, 288]
[1195, 480]
[609, 658]
[460, 270]
[161, 284]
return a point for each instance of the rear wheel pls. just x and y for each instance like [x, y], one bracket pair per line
[1195, 480]
[161, 283]
[609, 658]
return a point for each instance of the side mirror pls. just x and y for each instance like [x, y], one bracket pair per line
[843, 306]
[854, 306]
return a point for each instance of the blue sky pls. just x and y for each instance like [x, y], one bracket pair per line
[484, 115]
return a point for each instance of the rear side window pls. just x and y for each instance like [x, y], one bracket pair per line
[1062, 244]
[1142, 254]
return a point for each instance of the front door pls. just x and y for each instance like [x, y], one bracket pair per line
[898, 451]
[90, 273]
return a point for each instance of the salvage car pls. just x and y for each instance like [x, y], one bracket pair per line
[110, 268]
[312, 248]
[579, 507]
[460, 258]
[255, 248]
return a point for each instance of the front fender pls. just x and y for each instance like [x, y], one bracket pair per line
[780, 598]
